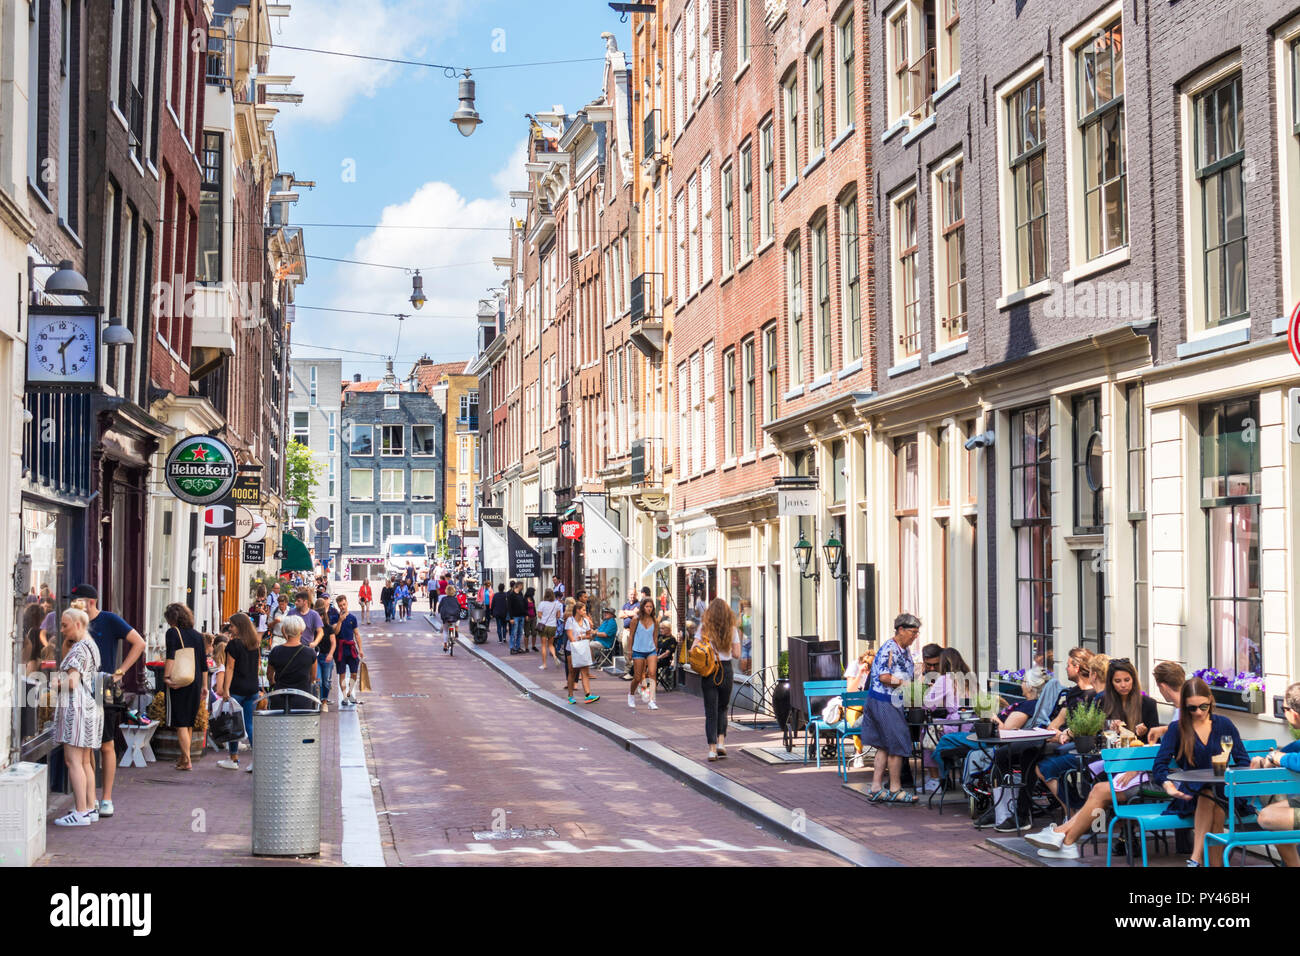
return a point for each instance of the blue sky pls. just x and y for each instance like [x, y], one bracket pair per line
[377, 140]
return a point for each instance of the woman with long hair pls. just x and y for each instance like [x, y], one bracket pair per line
[1123, 700]
[1197, 735]
[718, 627]
[548, 613]
[183, 702]
[645, 654]
[239, 683]
[577, 626]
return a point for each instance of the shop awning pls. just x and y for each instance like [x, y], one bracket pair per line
[296, 555]
[655, 566]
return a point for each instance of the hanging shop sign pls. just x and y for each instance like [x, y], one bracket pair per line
[247, 490]
[254, 552]
[496, 517]
[259, 530]
[802, 501]
[200, 470]
[524, 561]
[571, 530]
[219, 521]
[245, 522]
[544, 526]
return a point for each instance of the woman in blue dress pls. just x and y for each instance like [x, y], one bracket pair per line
[1190, 742]
[883, 724]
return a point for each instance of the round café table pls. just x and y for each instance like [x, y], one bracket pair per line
[989, 745]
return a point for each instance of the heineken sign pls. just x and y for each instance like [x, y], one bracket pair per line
[200, 470]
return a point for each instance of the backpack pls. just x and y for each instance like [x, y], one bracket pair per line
[703, 659]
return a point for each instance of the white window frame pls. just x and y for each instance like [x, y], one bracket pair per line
[433, 477]
[816, 63]
[706, 221]
[943, 332]
[896, 94]
[822, 301]
[746, 201]
[710, 421]
[794, 307]
[790, 126]
[850, 237]
[1076, 213]
[945, 30]
[693, 256]
[728, 221]
[846, 86]
[1011, 290]
[896, 283]
[1288, 109]
[1193, 232]
[416, 447]
[352, 431]
[387, 491]
[352, 484]
[361, 521]
[388, 519]
[766, 175]
[742, 35]
[401, 430]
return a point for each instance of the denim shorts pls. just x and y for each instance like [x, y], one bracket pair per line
[642, 655]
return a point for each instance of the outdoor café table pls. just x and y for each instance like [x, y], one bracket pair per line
[1204, 777]
[935, 728]
[990, 746]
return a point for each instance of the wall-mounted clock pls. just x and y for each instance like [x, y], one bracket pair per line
[62, 348]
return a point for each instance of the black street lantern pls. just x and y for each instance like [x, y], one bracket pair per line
[834, 552]
[417, 290]
[466, 117]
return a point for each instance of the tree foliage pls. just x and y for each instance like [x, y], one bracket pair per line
[302, 476]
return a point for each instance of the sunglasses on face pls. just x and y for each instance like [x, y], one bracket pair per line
[1193, 708]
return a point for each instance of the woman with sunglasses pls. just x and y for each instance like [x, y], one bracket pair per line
[1191, 741]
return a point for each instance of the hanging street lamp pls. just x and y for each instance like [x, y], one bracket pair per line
[466, 117]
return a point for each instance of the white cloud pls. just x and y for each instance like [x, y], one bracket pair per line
[398, 29]
[456, 264]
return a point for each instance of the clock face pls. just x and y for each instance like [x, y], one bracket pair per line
[61, 349]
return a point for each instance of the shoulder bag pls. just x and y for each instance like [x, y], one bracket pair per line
[182, 674]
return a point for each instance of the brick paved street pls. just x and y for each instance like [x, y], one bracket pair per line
[165, 817]
[456, 749]
[912, 835]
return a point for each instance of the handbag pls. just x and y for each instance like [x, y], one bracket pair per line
[226, 723]
[363, 678]
[182, 674]
[580, 653]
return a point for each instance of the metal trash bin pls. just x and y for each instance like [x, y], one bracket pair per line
[286, 775]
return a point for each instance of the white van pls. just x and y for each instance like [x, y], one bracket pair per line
[401, 549]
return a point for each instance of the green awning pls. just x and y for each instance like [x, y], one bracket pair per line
[296, 555]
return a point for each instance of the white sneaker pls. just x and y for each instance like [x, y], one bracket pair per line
[248, 767]
[93, 814]
[652, 705]
[931, 785]
[105, 808]
[1047, 839]
[228, 764]
[73, 819]
[324, 706]
[631, 701]
[1070, 852]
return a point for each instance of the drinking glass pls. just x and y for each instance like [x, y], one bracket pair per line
[1226, 743]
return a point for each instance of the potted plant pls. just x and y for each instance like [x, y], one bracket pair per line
[985, 705]
[781, 689]
[1243, 692]
[1085, 724]
[914, 701]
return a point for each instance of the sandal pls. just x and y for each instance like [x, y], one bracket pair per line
[900, 796]
[877, 796]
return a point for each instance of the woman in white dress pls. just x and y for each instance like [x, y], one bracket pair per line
[78, 718]
[576, 629]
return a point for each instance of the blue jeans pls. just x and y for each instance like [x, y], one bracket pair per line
[516, 632]
[247, 705]
[324, 674]
[388, 611]
[503, 628]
